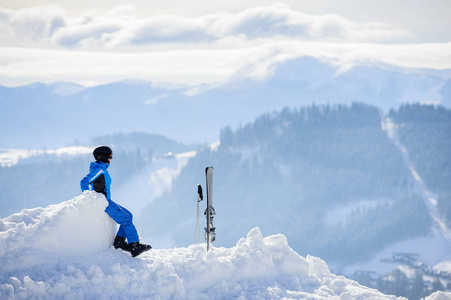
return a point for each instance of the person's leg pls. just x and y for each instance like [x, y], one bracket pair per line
[125, 220]
[121, 231]
[129, 230]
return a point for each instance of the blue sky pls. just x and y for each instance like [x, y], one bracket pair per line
[209, 42]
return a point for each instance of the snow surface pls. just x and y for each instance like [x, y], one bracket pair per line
[10, 157]
[64, 251]
[439, 227]
[434, 249]
[152, 182]
[342, 214]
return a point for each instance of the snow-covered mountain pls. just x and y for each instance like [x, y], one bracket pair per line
[64, 251]
[336, 181]
[29, 114]
[432, 248]
[156, 176]
[145, 167]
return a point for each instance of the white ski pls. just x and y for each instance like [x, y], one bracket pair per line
[210, 234]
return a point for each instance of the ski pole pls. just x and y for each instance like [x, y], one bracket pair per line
[200, 197]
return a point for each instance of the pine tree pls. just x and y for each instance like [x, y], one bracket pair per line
[417, 290]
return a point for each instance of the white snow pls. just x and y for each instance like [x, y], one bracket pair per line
[64, 251]
[215, 146]
[75, 227]
[10, 157]
[444, 266]
[439, 227]
[342, 214]
[431, 250]
[434, 249]
[152, 182]
[439, 296]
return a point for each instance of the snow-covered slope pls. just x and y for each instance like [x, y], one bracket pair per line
[130, 106]
[10, 157]
[435, 248]
[64, 251]
[152, 181]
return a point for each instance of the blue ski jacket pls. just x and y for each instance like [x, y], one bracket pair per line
[98, 179]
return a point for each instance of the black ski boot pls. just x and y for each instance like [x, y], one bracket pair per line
[136, 248]
[120, 243]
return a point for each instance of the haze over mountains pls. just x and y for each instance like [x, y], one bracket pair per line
[333, 159]
[328, 127]
[58, 114]
[340, 181]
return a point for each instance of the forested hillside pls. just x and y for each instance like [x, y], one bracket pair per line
[48, 179]
[425, 130]
[328, 177]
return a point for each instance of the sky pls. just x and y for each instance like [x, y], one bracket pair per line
[197, 42]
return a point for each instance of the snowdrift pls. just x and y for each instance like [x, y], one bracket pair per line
[76, 227]
[64, 251]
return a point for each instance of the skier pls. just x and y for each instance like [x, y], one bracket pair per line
[99, 180]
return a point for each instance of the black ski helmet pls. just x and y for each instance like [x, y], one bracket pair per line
[102, 153]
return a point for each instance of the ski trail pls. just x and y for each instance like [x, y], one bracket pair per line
[152, 182]
[439, 228]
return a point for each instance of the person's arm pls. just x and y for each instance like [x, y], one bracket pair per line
[99, 184]
[95, 180]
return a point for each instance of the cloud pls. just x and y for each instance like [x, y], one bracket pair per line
[193, 67]
[256, 22]
[120, 27]
[43, 44]
[162, 29]
[33, 25]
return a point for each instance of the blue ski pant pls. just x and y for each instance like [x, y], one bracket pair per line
[125, 220]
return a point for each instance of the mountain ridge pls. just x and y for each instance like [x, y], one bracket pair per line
[326, 157]
[129, 106]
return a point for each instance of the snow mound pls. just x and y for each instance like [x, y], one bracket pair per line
[76, 227]
[37, 261]
[440, 296]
